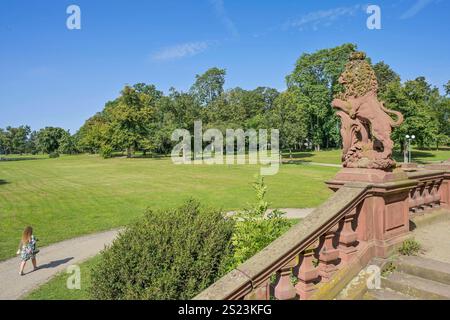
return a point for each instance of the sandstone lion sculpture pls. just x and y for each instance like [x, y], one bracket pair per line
[366, 124]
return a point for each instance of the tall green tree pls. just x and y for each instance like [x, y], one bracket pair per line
[209, 85]
[416, 100]
[49, 139]
[385, 75]
[290, 116]
[447, 88]
[315, 77]
[14, 139]
[130, 119]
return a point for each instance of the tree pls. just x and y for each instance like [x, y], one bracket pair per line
[93, 134]
[4, 142]
[416, 100]
[316, 79]
[290, 117]
[19, 137]
[67, 144]
[208, 86]
[447, 88]
[385, 75]
[32, 143]
[130, 120]
[49, 139]
[14, 139]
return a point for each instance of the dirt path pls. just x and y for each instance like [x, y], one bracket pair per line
[51, 260]
[435, 240]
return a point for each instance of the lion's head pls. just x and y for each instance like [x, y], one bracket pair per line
[358, 77]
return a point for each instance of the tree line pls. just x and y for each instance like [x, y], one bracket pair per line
[142, 118]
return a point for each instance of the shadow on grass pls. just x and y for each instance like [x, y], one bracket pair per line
[295, 161]
[141, 156]
[297, 155]
[3, 182]
[19, 159]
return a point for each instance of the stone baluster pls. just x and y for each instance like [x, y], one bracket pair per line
[348, 238]
[436, 195]
[328, 255]
[412, 199]
[284, 289]
[428, 195]
[308, 274]
[420, 200]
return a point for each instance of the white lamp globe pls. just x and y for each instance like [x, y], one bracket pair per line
[413, 136]
[407, 136]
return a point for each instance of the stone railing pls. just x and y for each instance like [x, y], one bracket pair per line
[426, 195]
[293, 253]
[359, 222]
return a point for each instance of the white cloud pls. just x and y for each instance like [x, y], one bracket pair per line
[221, 13]
[322, 17]
[415, 9]
[180, 51]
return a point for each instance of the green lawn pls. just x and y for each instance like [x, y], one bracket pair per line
[75, 195]
[425, 155]
[334, 156]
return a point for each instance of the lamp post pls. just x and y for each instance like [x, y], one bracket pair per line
[409, 139]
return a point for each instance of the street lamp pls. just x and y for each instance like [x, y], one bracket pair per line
[407, 159]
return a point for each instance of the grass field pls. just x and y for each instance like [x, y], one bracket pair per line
[334, 156]
[74, 195]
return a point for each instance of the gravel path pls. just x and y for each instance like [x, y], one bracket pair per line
[435, 240]
[51, 260]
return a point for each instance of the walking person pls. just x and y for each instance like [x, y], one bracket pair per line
[27, 249]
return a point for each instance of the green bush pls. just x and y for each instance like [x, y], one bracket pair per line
[409, 247]
[106, 152]
[253, 230]
[171, 254]
[53, 155]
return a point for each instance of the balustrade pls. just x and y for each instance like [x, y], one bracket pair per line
[425, 196]
[337, 234]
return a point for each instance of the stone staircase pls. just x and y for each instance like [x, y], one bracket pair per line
[413, 278]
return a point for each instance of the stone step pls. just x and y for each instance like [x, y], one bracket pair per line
[425, 268]
[386, 294]
[416, 287]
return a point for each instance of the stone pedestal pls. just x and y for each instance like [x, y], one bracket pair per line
[346, 175]
[383, 217]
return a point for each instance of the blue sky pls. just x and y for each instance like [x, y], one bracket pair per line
[52, 76]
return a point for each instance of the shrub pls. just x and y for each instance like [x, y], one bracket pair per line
[170, 254]
[409, 247]
[53, 155]
[253, 230]
[106, 152]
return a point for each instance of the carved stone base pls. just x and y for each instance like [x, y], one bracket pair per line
[346, 175]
